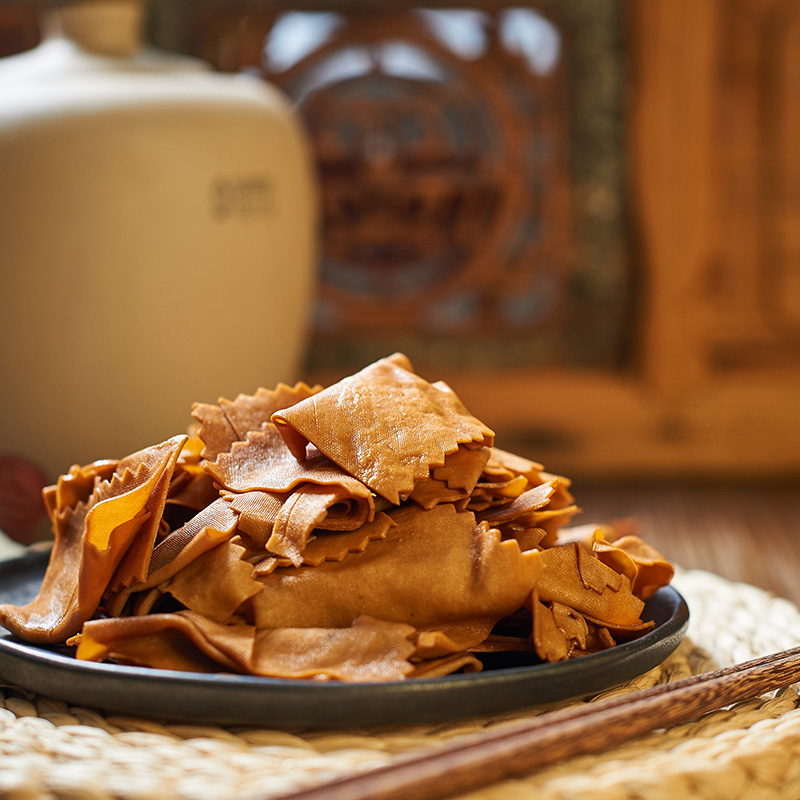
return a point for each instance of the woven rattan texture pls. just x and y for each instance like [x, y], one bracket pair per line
[752, 750]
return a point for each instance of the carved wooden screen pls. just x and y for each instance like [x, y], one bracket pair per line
[470, 216]
[445, 191]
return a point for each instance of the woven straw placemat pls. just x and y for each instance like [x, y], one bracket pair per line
[752, 750]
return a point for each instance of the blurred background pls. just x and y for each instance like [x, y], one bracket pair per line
[584, 215]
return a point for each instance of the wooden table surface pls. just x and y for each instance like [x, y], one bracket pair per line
[744, 532]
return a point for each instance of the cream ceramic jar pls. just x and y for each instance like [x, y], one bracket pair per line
[157, 243]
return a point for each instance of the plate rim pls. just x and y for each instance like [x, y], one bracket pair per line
[289, 703]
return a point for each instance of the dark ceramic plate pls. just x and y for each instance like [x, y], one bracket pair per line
[270, 702]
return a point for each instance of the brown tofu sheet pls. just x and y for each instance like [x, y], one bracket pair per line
[367, 531]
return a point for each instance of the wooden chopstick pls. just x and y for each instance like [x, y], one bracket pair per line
[516, 749]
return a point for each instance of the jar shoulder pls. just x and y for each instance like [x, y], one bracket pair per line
[58, 77]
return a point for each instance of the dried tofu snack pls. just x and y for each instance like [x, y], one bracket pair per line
[508, 477]
[325, 546]
[91, 539]
[230, 421]
[575, 577]
[647, 569]
[561, 632]
[136, 561]
[293, 498]
[181, 641]
[263, 462]
[384, 425]
[282, 524]
[209, 528]
[191, 486]
[368, 650]
[463, 468]
[367, 531]
[434, 568]
[653, 570]
[76, 485]
[447, 665]
[550, 643]
[521, 506]
[455, 480]
[335, 545]
[216, 584]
